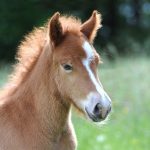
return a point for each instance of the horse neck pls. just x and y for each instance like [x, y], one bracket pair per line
[40, 91]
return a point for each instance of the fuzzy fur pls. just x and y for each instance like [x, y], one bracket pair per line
[35, 106]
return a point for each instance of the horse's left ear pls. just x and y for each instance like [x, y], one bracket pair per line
[55, 29]
[90, 27]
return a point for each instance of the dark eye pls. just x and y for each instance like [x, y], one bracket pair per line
[68, 67]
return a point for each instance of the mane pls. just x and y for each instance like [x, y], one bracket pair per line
[32, 46]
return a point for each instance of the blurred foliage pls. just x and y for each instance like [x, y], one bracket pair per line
[125, 23]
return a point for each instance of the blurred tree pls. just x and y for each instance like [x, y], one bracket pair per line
[123, 21]
[137, 12]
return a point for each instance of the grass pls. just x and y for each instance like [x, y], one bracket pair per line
[127, 81]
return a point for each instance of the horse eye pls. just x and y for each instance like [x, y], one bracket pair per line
[67, 67]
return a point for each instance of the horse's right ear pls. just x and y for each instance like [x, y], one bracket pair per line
[55, 29]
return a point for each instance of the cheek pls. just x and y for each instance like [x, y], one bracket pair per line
[81, 87]
[75, 85]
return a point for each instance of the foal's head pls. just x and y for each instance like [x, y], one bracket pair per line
[75, 63]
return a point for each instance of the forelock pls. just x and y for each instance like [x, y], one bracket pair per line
[70, 24]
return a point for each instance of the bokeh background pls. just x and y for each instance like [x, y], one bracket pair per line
[124, 45]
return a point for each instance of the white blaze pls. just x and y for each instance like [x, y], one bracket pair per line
[86, 62]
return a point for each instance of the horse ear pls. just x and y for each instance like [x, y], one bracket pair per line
[90, 27]
[55, 29]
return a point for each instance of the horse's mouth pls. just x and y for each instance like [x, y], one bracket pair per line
[93, 117]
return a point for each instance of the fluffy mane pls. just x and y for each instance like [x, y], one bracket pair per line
[32, 46]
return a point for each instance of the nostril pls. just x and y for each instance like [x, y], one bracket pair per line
[109, 110]
[98, 109]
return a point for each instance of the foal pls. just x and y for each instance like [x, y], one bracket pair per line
[57, 68]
